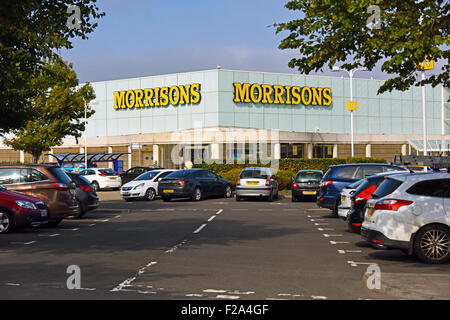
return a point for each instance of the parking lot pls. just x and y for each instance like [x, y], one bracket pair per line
[212, 249]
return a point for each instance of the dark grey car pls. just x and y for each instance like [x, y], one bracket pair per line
[86, 196]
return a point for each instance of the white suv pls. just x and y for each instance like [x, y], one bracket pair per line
[102, 178]
[411, 212]
[144, 186]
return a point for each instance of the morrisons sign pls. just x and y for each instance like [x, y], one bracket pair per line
[276, 94]
[156, 97]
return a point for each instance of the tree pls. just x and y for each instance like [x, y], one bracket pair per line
[31, 32]
[57, 111]
[334, 31]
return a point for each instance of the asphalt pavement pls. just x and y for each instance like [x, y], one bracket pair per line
[212, 249]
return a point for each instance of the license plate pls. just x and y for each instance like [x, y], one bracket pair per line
[168, 190]
[343, 198]
[370, 212]
[309, 192]
[113, 178]
[126, 194]
[252, 183]
[43, 213]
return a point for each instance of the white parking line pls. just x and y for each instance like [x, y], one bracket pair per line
[48, 235]
[332, 235]
[355, 264]
[349, 251]
[220, 211]
[312, 220]
[200, 228]
[339, 242]
[325, 229]
[321, 224]
[211, 219]
[228, 297]
[25, 243]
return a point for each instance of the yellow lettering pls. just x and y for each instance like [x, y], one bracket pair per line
[296, 95]
[288, 94]
[267, 91]
[184, 94]
[317, 96]
[174, 95]
[195, 93]
[241, 92]
[258, 97]
[139, 95]
[157, 97]
[148, 97]
[279, 91]
[164, 97]
[119, 99]
[327, 96]
[304, 101]
[130, 99]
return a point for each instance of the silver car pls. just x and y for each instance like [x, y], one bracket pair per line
[257, 182]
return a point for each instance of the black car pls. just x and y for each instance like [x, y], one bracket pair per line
[359, 198]
[196, 184]
[86, 196]
[306, 185]
[134, 172]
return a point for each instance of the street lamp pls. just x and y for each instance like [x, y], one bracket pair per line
[85, 127]
[350, 73]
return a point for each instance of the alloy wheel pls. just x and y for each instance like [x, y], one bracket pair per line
[435, 244]
[4, 222]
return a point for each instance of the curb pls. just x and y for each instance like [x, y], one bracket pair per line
[402, 293]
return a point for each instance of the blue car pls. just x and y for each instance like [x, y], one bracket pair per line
[340, 176]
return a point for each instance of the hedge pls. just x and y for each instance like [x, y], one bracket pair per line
[287, 168]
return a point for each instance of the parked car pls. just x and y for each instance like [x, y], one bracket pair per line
[133, 173]
[144, 186]
[306, 184]
[102, 178]
[196, 184]
[49, 183]
[339, 176]
[257, 182]
[360, 196]
[346, 201]
[86, 196]
[411, 212]
[18, 210]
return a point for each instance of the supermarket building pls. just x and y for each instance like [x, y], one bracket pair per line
[235, 114]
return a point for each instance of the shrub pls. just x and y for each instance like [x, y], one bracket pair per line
[232, 175]
[285, 181]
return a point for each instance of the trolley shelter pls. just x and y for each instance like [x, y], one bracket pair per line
[70, 160]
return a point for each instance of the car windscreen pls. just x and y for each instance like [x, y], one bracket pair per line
[307, 176]
[355, 185]
[149, 175]
[253, 174]
[178, 174]
[386, 187]
[60, 175]
[108, 172]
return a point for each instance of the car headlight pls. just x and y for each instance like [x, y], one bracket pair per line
[26, 204]
[138, 186]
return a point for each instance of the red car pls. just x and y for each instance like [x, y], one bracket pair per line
[18, 210]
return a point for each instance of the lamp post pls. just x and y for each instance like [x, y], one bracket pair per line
[350, 74]
[85, 127]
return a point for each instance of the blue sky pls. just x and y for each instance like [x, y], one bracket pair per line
[151, 37]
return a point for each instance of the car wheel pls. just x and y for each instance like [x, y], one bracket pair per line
[335, 211]
[270, 198]
[96, 186]
[54, 222]
[197, 194]
[294, 199]
[432, 244]
[238, 198]
[6, 222]
[79, 211]
[150, 194]
[228, 192]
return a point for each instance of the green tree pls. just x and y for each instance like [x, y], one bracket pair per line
[31, 32]
[331, 31]
[57, 110]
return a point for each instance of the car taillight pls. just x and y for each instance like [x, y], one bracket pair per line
[391, 204]
[295, 185]
[326, 183]
[267, 182]
[181, 182]
[102, 174]
[238, 183]
[86, 189]
[365, 194]
[60, 186]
